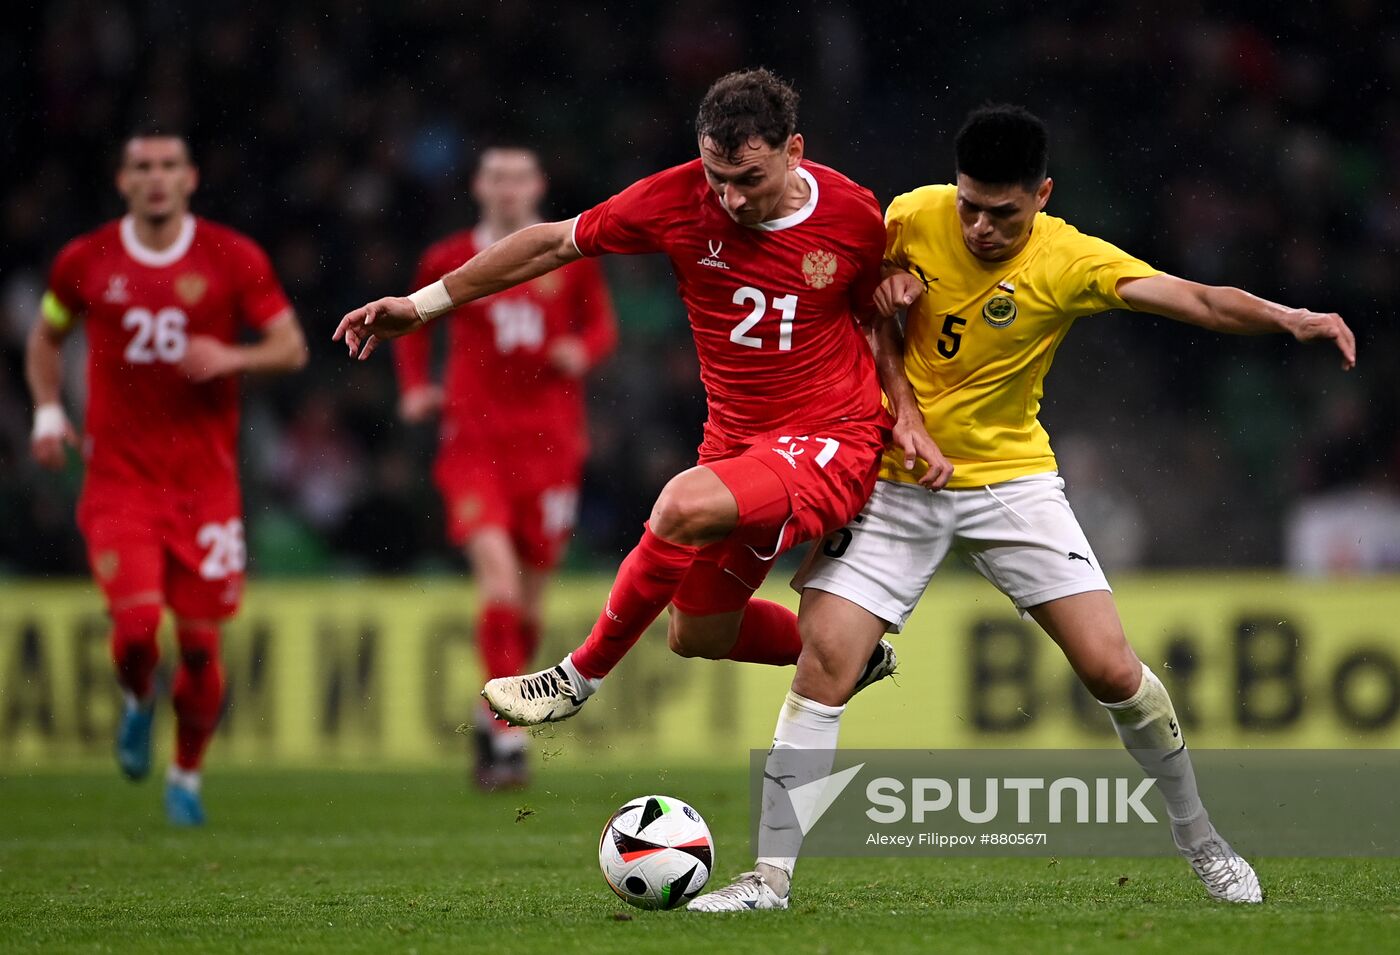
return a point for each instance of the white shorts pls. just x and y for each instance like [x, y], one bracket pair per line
[1020, 534]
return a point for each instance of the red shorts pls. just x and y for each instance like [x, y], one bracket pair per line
[827, 475]
[186, 548]
[536, 503]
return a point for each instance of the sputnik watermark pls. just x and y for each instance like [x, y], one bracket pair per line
[1117, 800]
[1066, 802]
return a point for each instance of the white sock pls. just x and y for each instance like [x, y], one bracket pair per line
[184, 778]
[584, 686]
[134, 702]
[507, 741]
[1147, 725]
[804, 747]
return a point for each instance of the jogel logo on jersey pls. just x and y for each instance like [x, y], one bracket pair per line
[191, 287]
[999, 311]
[819, 269]
[713, 260]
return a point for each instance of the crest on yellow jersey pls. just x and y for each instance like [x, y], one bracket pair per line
[191, 287]
[999, 311]
[819, 269]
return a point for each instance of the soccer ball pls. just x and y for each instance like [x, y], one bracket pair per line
[656, 852]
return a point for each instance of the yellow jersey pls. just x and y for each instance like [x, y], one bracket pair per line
[979, 342]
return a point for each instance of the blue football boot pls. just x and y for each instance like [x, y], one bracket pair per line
[182, 805]
[134, 739]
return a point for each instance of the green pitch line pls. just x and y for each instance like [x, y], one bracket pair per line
[380, 862]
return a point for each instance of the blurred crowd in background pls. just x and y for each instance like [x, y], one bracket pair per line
[1258, 149]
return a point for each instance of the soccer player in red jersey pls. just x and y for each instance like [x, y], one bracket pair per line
[164, 295]
[514, 434]
[775, 258]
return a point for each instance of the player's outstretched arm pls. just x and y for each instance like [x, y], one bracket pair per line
[43, 370]
[911, 436]
[1236, 312]
[517, 258]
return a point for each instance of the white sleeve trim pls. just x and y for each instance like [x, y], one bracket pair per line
[573, 235]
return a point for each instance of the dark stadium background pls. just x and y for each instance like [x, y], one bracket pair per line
[1259, 148]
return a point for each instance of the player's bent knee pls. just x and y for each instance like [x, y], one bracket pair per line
[134, 636]
[199, 643]
[685, 645]
[677, 643]
[686, 511]
[690, 641]
[677, 518]
[825, 668]
[1115, 680]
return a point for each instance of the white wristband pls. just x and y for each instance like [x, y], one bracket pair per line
[50, 421]
[430, 301]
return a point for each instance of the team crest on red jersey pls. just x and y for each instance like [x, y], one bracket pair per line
[106, 564]
[467, 508]
[819, 269]
[191, 287]
[118, 290]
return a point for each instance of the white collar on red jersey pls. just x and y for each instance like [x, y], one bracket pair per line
[798, 217]
[157, 259]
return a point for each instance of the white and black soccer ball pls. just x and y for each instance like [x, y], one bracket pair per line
[656, 852]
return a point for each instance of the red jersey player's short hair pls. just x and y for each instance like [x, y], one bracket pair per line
[152, 131]
[747, 104]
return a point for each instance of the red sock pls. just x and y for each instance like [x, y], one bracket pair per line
[498, 640]
[134, 648]
[645, 583]
[198, 692]
[529, 634]
[767, 634]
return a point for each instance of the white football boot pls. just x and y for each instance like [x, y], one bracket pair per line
[544, 697]
[747, 892]
[1226, 875]
[882, 664]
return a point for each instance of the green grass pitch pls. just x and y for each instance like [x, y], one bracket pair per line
[416, 862]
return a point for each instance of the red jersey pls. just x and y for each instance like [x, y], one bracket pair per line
[772, 307]
[147, 424]
[502, 392]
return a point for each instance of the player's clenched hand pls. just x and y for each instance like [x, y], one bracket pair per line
[1327, 326]
[913, 441]
[207, 358]
[52, 434]
[569, 356]
[363, 329]
[420, 403]
[898, 290]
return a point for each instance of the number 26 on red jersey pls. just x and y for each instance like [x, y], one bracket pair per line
[225, 551]
[157, 336]
[785, 306]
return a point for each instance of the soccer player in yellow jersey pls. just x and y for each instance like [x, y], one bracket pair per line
[992, 284]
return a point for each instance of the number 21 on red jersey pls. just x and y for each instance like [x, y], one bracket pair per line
[785, 306]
